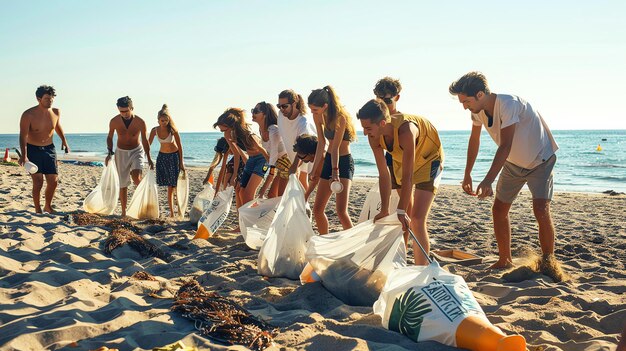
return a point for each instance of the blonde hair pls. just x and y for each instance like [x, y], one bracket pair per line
[165, 112]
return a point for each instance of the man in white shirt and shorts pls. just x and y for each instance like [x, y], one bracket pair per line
[525, 155]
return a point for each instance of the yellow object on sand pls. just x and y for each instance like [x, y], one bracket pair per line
[599, 148]
[177, 346]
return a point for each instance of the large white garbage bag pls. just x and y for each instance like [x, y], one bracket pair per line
[182, 193]
[201, 203]
[216, 214]
[429, 303]
[282, 252]
[353, 264]
[145, 201]
[255, 219]
[373, 203]
[103, 198]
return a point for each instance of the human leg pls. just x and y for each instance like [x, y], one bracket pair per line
[319, 206]
[170, 199]
[422, 202]
[123, 199]
[541, 209]
[502, 231]
[52, 180]
[249, 191]
[37, 185]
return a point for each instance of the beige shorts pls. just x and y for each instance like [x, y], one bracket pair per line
[539, 180]
[126, 161]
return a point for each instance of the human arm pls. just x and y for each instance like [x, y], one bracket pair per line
[384, 179]
[472, 152]
[152, 135]
[485, 189]
[313, 183]
[109, 143]
[146, 145]
[60, 132]
[24, 128]
[181, 163]
[319, 151]
[333, 148]
[407, 135]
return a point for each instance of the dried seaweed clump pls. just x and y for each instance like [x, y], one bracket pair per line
[83, 218]
[142, 275]
[120, 237]
[222, 319]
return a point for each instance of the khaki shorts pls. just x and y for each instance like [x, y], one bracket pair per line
[126, 162]
[430, 174]
[539, 180]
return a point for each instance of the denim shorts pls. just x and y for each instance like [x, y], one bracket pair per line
[255, 165]
[346, 167]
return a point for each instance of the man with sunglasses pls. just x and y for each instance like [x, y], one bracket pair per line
[291, 124]
[129, 152]
[525, 155]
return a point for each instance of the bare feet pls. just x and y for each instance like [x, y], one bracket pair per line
[49, 210]
[502, 264]
[38, 209]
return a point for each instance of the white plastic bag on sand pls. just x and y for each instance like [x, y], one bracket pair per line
[103, 198]
[429, 303]
[353, 264]
[373, 203]
[182, 193]
[282, 252]
[255, 219]
[201, 203]
[145, 201]
[216, 214]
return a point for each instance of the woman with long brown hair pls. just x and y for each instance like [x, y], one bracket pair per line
[246, 147]
[333, 124]
[170, 159]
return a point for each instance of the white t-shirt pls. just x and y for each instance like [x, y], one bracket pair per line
[290, 130]
[274, 146]
[533, 142]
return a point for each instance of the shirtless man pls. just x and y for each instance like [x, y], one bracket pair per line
[36, 128]
[129, 152]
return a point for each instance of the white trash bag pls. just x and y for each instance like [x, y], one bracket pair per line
[145, 201]
[182, 193]
[103, 198]
[216, 214]
[429, 303]
[255, 219]
[373, 203]
[353, 264]
[282, 252]
[201, 203]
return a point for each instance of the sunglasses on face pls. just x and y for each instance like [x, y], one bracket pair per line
[283, 106]
[387, 100]
[255, 111]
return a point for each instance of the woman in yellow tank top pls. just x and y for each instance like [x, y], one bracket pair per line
[414, 145]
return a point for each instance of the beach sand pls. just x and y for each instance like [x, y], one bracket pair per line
[60, 290]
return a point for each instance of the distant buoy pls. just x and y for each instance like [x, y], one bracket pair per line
[599, 148]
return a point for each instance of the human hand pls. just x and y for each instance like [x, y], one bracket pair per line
[380, 215]
[107, 159]
[467, 185]
[404, 219]
[232, 181]
[335, 176]
[313, 177]
[484, 189]
[67, 148]
[182, 168]
[150, 163]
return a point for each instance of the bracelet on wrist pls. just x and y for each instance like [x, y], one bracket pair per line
[400, 211]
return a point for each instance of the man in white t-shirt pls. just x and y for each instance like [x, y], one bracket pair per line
[525, 155]
[291, 124]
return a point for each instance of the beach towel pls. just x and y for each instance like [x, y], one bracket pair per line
[103, 198]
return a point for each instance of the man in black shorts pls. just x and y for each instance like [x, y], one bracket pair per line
[37, 126]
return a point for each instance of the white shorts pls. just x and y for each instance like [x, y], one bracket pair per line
[126, 161]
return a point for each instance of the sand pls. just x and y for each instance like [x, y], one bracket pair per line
[60, 290]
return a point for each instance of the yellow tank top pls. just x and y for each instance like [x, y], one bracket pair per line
[427, 148]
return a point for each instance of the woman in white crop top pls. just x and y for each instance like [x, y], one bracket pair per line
[265, 115]
[170, 159]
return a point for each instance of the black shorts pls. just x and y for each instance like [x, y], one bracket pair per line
[346, 167]
[45, 157]
[230, 167]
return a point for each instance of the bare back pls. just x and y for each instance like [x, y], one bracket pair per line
[40, 124]
[127, 138]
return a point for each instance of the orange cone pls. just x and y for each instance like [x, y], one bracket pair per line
[6, 158]
[478, 334]
[202, 232]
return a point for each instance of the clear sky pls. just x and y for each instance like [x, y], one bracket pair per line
[568, 59]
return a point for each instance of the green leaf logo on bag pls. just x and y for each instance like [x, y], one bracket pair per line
[408, 313]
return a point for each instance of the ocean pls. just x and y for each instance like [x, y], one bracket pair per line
[580, 165]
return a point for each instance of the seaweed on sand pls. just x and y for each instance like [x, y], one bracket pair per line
[120, 237]
[222, 319]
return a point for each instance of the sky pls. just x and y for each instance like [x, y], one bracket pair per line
[568, 59]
